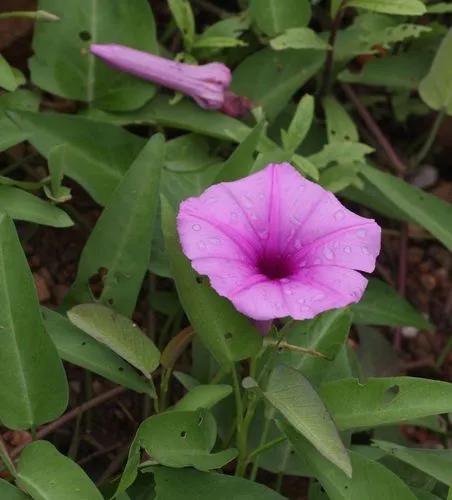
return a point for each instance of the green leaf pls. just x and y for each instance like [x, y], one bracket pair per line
[33, 386]
[208, 42]
[382, 305]
[370, 480]
[21, 205]
[399, 71]
[78, 348]
[291, 393]
[190, 484]
[119, 333]
[185, 21]
[275, 16]
[269, 79]
[381, 401]
[336, 152]
[399, 7]
[440, 8]
[7, 79]
[299, 38]
[98, 165]
[203, 396]
[227, 334]
[239, 163]
[340, 127]
[68, 70]
[120, 243]
[10, 133]
[10, 492]
[436, 87]
[56, 163]
[183, 439]
[339, 177]
[436, 463]
[46, 474]
[427, 210]
[300, 124]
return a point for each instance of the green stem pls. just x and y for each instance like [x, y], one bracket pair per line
[6, 459]
[164, 385]
[430, 138]
[261, 443]
[264, 447]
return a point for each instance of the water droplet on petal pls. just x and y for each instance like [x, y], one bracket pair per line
[261, 196]
[201, 245]
[328, 253]
[361, 233]
[215, 241]
[288, 291]
[317, 262]
[305, 310]
[301, 301]
[297, 244]
[247, 202]
[318, 296]
[347, 249]
[253, 217]
[196, 227]
[284, 280]
[296, 219]
[339, 215]
[263, 234]
[365, 250]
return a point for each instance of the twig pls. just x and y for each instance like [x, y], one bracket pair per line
[100, 453]
[70, 415]
[326, 81]
[372, 125]
[114, 465]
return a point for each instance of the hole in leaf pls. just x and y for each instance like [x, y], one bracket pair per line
[85, 35]
[200, 419]
[347, 137]
[183, 434]
[391, 393]
[228, 335]
[96, 282]
[199, 280]
[83, 343]
[332, 132]
[121, 369]
[110, 301]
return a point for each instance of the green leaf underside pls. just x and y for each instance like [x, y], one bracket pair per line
[119, 333]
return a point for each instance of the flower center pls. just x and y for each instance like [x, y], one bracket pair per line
[276, 267]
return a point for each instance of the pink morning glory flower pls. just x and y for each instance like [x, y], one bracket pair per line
[277, 245]
[206, 84]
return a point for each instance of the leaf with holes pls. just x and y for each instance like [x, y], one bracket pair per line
[80, 349]
[275, 16]
[46, 474]
[33, 386]
[370, 479]
[227, 334]
[177, 439]
[382, 401]
[67, 69]
[339, 126]
[119, 333]
[382, 305]
[299, 38]
[120, 243]
[338, 152]
[289, 392]
[436, 87]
